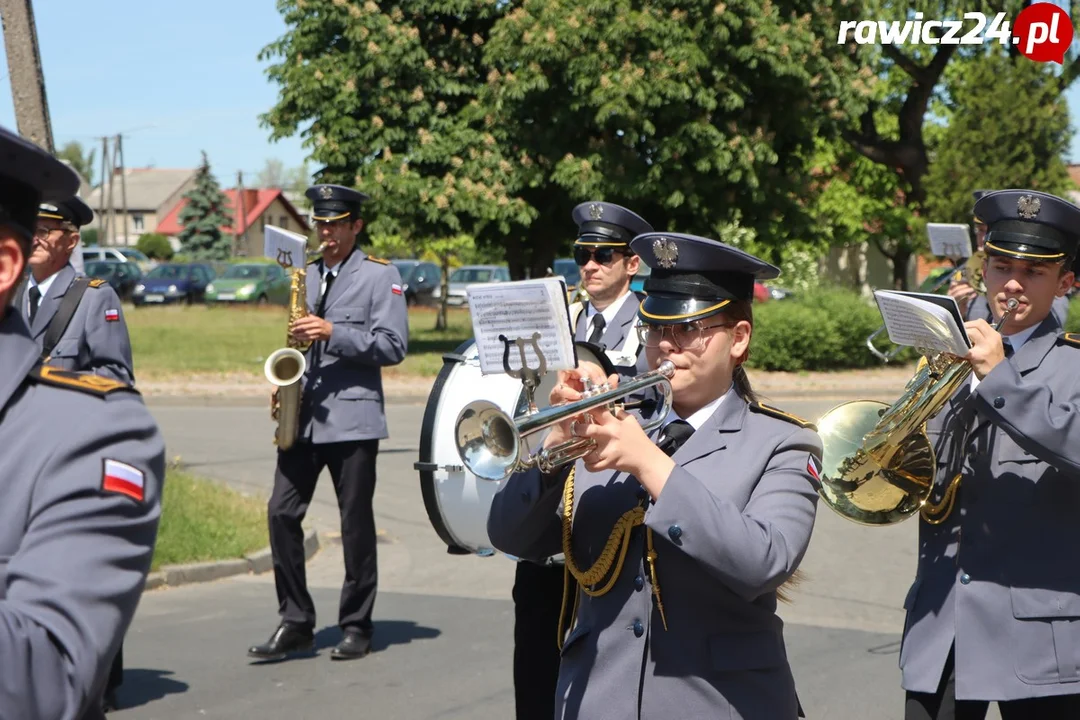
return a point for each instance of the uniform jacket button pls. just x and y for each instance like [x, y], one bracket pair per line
[674, 532]
[999, 402]
[639, 582]
[639, 629]
[965, 579]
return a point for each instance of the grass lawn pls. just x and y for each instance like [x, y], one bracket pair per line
[202, 520]
[181, 340]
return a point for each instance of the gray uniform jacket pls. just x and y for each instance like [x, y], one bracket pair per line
[342, 399]
[616, 334]
[980, 308]
[1000, 575]
[96, 339]
[74, 555]
[730, 526]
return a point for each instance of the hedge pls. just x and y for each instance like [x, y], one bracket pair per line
[827, 330]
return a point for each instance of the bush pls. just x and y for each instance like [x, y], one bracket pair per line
[1072, 322]
[820, 330]
[155, 246]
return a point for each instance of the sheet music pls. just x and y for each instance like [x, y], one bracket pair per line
[951, 240]
[918, 322]
[287, 248]
[517, 310]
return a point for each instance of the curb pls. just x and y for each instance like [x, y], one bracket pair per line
[255, 563]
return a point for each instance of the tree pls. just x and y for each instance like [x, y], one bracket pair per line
[272, 175]
[203, 218]
[910, 76]
[81, 161]
[982, 147]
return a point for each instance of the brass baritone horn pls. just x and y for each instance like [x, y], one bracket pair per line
[286, 366]
[491, 443]
[878, 464]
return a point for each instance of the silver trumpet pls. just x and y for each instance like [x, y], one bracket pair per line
[491, 443]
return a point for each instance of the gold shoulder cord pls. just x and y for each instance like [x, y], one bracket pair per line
[613, 555]
[939, 513]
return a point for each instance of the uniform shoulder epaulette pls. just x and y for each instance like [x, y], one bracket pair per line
[97, 282]
[381, 261]
[781, 415]
[1071, 339]
[84, 382]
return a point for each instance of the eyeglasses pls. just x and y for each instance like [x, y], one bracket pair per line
[603, 255]
[40, 233]
[686, 336]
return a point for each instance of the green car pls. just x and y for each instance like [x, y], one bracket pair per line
[259, 283]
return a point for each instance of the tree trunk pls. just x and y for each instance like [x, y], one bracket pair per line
[440, 318]
[900, 263]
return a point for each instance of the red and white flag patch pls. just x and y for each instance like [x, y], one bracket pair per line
[124, 479]
[814, 469]
[396, 289]
[112, 315]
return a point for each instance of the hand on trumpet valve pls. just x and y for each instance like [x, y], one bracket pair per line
[573, 385]
[621, 443]
[987, 348]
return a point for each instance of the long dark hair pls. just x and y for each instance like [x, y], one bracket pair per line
[737, 311]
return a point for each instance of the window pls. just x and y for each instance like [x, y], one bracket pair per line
[137, 223]
[284, 222]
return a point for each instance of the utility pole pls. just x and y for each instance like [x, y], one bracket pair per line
[27, 78]
[102, 224]
[123, 187]
[112, 208]
[241, 212]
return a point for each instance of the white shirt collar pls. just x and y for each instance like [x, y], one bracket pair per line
[45, 284]
[698, 419]
[609, 312]
[1017, 340]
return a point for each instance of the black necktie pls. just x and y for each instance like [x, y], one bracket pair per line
[598, 329]
[326, 293]
[675, 434]
[35, 296]
[1008, 348]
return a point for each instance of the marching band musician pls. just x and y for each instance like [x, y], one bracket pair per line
[602, 252]
[973, 304]
[358, 324]
[678, 542]
[993, 612]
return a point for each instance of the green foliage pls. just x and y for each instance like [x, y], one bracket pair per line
[81, 161]
[203, 219]
[982, 147]
[155, 246]
[89, 236]
[822, 330]
[1072, 322]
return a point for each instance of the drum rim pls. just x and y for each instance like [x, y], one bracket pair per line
[427, 433]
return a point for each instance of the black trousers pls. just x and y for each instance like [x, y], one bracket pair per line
[352, 468]
[943, 705]
[538, 598]
[116, 672]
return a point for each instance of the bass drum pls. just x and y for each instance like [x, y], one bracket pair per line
[458, 502]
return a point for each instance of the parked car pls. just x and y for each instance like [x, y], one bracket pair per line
[259, 283]
[467, 275]
[569, 271]
[420, 280]
[121, 276]
[94, 253]
[173, 282]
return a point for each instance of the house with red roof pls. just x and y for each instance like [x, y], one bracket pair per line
[256, 209]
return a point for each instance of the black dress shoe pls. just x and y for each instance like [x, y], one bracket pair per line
[354, 645]
[288, 638]
[109, 702]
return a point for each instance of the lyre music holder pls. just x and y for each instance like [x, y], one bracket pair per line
[530, 377]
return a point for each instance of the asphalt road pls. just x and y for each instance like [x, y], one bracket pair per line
[444, 624]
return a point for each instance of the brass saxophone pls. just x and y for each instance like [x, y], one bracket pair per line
[286, 366]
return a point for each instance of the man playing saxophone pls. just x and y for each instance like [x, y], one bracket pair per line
[994, 611]
[357, 324]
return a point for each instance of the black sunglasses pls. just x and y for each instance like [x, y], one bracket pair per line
[603, 255]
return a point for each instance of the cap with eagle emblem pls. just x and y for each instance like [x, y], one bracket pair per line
[72, 210]
[334, 202]
[603, 224]
[694, 277]
[1029, 225]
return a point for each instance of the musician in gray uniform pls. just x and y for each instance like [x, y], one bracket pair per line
[81, 468]
[993, 612]
[676, 565]
[358, 324]
[973, 304]
[602, 252]
[84, 314]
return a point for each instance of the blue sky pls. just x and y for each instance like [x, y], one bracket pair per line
[175, 78]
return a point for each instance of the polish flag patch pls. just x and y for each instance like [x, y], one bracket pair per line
[124, 479]
[814, 469]
[112, 315]
[396, 289]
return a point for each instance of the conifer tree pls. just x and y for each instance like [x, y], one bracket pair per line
[204, 217]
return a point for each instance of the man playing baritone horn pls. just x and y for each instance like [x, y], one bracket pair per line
[994, 611]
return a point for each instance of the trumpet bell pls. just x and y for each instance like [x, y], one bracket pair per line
[284, 366]
[488, 440]
[857, 486]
